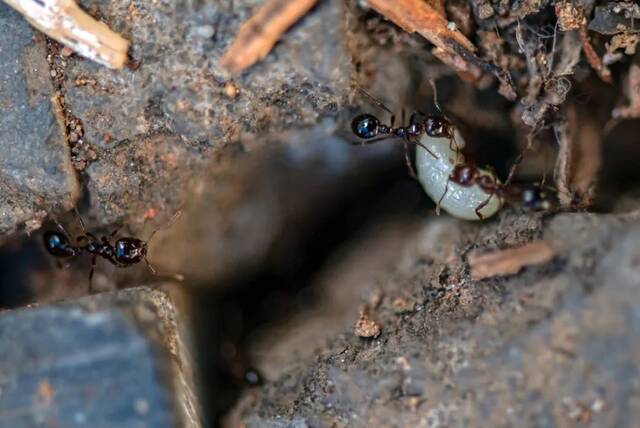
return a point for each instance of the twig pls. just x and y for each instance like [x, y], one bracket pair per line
[451, 46]
[592, 56]
[65, 22]
[579, 157]
[509, 261]
[259, 34]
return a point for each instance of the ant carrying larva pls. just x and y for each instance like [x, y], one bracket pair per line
[124, 252]
[457, 186]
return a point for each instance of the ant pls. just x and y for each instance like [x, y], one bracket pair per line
[369, 128]
[126, 251]
[531, 198]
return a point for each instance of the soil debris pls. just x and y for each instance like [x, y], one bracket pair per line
[509, 261]
[366, 327]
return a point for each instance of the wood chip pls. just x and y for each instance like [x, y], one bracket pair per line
[593, 58]
[509, 261]
[65, 22]
[259, 34]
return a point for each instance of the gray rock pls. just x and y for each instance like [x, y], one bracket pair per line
[181, 99]
[101, 361]
[35, 171]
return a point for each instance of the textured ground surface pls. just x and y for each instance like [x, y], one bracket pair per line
[308, 234]
[552, 346]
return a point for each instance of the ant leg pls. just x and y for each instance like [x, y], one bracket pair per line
[407, 157]
[418, 143]
[482, 205]
[93, 265]
[512, 171]
[372, 140]
[114, 233]
[446, 189]
[403, 117]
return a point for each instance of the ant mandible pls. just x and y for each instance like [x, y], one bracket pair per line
[126, 251]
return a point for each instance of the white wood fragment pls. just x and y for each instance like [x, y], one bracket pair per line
[65, 22]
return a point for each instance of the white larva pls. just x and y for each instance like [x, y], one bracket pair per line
[434, 174]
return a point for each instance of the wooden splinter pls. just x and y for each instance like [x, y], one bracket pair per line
[65, 22]
[259, 34]
[509, 261]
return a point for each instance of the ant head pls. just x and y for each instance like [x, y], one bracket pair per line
[536, 199]
[129, 251]
[438, 127]
[57, 244]
[365, 126]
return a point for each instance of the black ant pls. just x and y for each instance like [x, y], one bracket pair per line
[371, 129]
[126, 251]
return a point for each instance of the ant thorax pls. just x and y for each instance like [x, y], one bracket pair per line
[469, 202]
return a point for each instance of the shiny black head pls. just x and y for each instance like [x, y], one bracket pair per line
[537, 199]
[57, 244]
[129, 251]
[365, 126]
[438, 127]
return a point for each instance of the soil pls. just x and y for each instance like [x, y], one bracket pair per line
[320, 287]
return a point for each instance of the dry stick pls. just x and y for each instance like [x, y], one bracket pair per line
[65, 22]
[451, 46]
[593, 58]
[260, 33]
[579, 157]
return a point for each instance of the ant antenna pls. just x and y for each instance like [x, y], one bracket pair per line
[176, 276]
[79, 217]
[375, 101]
[165, 226]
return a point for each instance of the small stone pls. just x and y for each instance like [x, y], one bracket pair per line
[66, 51]
[366, 327]
[206, 31]
[231, 90]
[485, 11]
